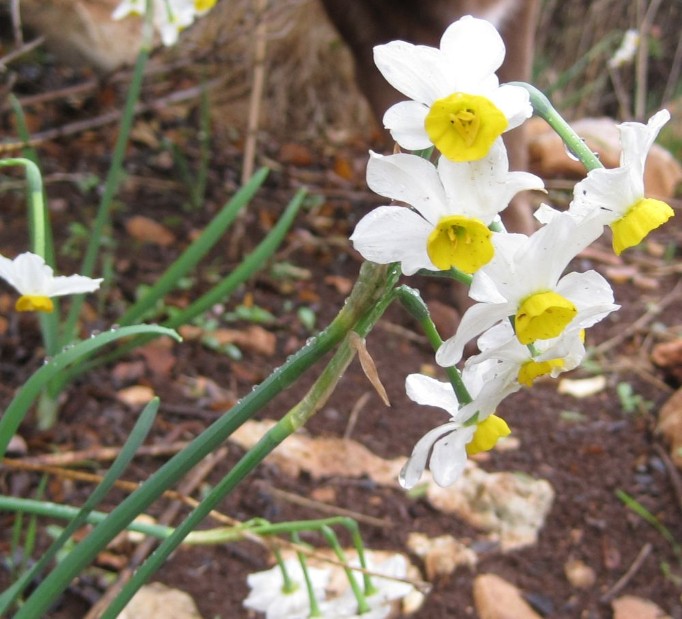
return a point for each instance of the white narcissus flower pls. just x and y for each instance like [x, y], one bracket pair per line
[523, 281]
[450, 443]
[170, 16]
[451, 207]
[385, 590]
[522, 364]
[615, 197]
[457, 102]
[267, 593]
[36, 282]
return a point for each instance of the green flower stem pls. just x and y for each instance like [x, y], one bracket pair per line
[367, 314]
[330, 536]
[543, 108]
[67, 512]
[288, 586]
[314, 606]
[36, 202]
[114, 175]
[414, 304]
[371, 286]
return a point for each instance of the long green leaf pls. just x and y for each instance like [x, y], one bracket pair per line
[127, 453]
[368, 288]
[196, 251]
[18, 407]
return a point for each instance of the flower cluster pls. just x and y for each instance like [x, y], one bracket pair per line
[529, 315]
[170, 16]
[269, 595]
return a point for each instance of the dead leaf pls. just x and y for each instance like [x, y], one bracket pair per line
[343, 285]
[159, 356]
[254, 338]
[368, 366]
[137, 395]
[295, 154]
[147, 230]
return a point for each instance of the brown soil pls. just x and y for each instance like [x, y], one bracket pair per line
[585, 456]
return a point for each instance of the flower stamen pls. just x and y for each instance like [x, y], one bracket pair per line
[543, 316]
[461, 242]
[463, 126]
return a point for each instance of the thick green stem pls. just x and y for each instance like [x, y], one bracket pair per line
[370, 287]
[543, 108]
[366, 314]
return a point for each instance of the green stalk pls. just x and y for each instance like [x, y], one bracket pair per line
[68, 512]
[220, 292]
[36, 202]
[312, 599]
[196, 251]
[543, 108]
[80, 515]
[332, 540]
[16, 411]
[368, 315]
[369, 287]
[414, 304]
[114, 175]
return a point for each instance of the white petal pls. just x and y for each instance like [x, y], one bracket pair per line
[428, 391]
[637, 139]
[591, 294]
[548, 252]
[405, 121]
[394, 234]
[474, 49]
[415, 465]
[606, 195]
[514, 103]
[476, 319]
[449, 456]
[32, 275]
[418, 71]
[411, 179]
[73, 284]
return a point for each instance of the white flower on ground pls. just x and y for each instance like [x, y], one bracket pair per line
[386, 590]
[450, 209]
[615, 197]
[523, 280]
[170, 16]
[36, 282]
[457, 102]
[267, 593]
[450, 443]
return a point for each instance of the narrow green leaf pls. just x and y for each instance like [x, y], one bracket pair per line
[18, 407]
[127, 453]
[196, 251]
